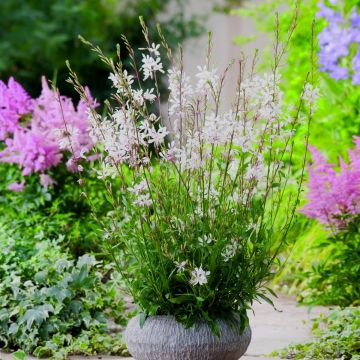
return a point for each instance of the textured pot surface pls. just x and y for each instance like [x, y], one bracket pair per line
[163, 338]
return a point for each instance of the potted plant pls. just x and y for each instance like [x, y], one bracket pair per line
[194, 229]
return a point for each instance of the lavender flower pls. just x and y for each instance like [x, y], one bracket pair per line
[335, 41]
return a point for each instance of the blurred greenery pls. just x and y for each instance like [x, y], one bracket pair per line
[37, 36]
[337, 117]
[311, 270]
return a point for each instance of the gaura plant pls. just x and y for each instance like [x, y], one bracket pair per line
[194, 231]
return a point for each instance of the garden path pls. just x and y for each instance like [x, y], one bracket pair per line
[272, 330]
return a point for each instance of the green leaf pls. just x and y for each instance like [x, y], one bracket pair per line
[19, 355]
[40, 277]
[142, 319]
[37, 315]
[182, 298]
[268, 300]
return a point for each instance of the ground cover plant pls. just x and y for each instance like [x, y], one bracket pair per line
[53, 304]
[170, 246]
[336, 336]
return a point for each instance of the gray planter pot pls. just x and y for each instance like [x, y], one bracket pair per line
[163, 338]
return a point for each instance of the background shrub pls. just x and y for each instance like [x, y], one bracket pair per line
[38, 36]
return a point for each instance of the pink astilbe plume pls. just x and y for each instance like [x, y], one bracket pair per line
[14, 103]
[58, 119]
[32, 151]
[334, 196]
[56, 130]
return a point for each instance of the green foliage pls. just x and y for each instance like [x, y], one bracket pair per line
[38, 36]
[52, 305]
[19, 355]
[337, 117]
[44, 212]
[161, 288]
[335, 279]
[337, 336]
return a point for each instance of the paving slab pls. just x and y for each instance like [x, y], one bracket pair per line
[271, 329]
[276, 329]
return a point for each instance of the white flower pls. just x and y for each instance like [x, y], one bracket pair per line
[151, 65]
[180, 95]
[138, 97]
[83, 152]
[157, 137]
[205, 240]
[122, 81]
[207, 78]
[253, 226]
[172, 153]
[199, 276]
[148, 95]
[310, 94]
[230, 250]
[154, 49]
[181, 266]
[143, 200]
[139, 188]
[67, 136]
[145, 160]
[106, 171]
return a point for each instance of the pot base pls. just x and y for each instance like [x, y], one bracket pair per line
[163, 338]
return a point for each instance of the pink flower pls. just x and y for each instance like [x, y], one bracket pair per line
[334, 196]
[14, 103]
[59, 120]
[32, 151]
[16, 186]
[56, 128]
[46, 181]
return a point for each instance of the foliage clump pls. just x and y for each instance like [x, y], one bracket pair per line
[336, 336]
[52, 305]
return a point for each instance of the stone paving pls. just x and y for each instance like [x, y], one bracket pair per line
[272, 330]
